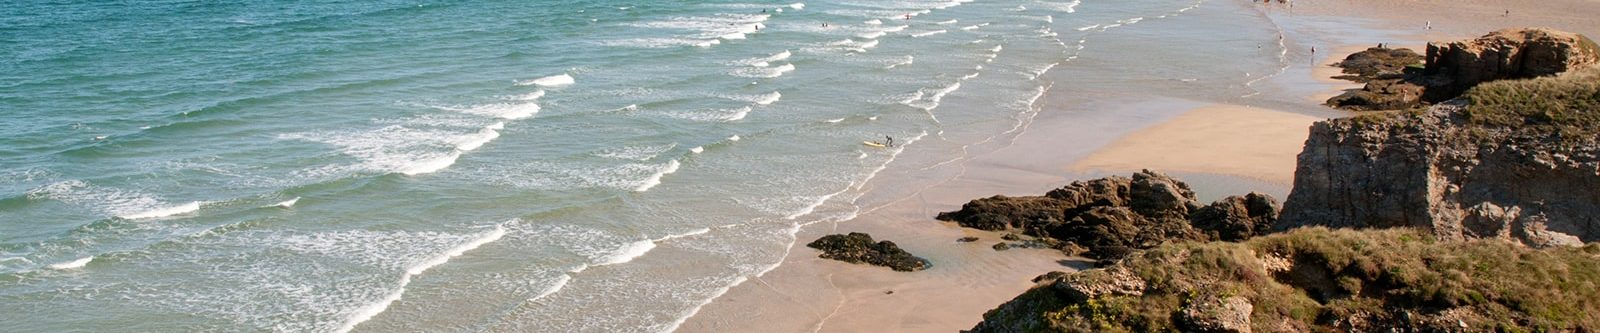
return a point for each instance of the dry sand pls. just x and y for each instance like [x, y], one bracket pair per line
[1222, 139]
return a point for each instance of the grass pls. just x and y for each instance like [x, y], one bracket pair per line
[1566, 106]
[1337, 274]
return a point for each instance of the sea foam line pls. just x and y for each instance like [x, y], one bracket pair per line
[655, 179]
[367, 312]
[78, 263]
[164, 211]
[550, 81]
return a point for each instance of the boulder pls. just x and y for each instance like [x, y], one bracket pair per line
[1237, 218]
[1096, 283]
[859, 248]
[1212, 314]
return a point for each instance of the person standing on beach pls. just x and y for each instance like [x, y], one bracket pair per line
[889, 141]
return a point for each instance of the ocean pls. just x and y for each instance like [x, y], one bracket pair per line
[545, 166]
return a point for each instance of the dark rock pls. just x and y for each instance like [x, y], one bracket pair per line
[967, 239]
[1002, 212]
[1378, 62]
[858, 248]
[1106, 218]
[1237, 218]
[1001, 246]
[1156, 195]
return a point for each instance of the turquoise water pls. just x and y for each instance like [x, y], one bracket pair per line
[507, 165]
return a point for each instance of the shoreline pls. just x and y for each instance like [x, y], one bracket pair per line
[1118, 135]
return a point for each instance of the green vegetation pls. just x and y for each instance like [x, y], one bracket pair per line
[1567, 105]
[1325, 280]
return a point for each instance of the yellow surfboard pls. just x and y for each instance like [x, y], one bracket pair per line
[874, 144]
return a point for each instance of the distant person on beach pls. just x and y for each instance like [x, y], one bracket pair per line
[889, 141]
[1428, 25]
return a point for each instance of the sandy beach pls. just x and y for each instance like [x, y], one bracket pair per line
[1221, 147]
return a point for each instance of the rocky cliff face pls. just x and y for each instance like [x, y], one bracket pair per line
[1440, 171]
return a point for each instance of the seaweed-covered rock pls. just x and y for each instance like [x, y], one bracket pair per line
[859, 248]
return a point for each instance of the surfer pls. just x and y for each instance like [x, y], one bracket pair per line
[889, 141]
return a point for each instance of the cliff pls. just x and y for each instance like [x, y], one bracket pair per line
[1513, 160]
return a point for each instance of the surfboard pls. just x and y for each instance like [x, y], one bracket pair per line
[874, 144]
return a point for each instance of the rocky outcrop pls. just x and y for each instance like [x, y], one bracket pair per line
[1445, 172]
[1453, 67]
[1237, 218]
[860, 249]
[1318, 280]
[1378, 63]
[1113, 216]
[1506, 54]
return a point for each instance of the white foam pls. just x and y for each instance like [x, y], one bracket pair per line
[815, 202]
[733, 36]
[489, 133]
[287, 203]
[1049, 19]
[733, 138]
[697, 150]
[367, 312]
[873, 22]
[768, 98]
[1131, 21]
[871, 35]
[510, 111]
[1086, 28]
[637, 153]
[707, 43]
[929, 33]
[869, 44]
[163, 211]
[897, 28]
[997, 49]
[655, 179]
[737, 114]
[78, 263]
[946, 22]
[561, 282]
[627, 253]
[1109, 26]
[760, 72]
[797, 5]
[536, 94]
[909, 59]
[835, 120]
[550, 81]
[973, 27]
[430, 165]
